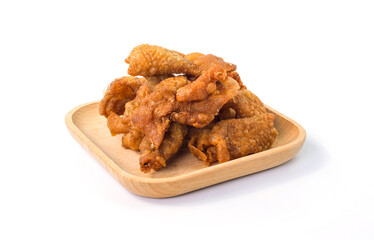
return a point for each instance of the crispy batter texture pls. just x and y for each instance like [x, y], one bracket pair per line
[152, 158]
[204, 62]
[200, 113]
[152, 81]
[118, 93]
[152, 116]
[245, 104]
[207, 99]
[234, 138]
[122, 124]
[148, 60]
[235, 75]
[133, 137]
[204, 85]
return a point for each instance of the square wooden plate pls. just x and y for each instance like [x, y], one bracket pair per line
[184, 173]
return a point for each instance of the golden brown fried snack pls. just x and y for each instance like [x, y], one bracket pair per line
[119, 92]
[152, 158]
[152, 116]
[234, 138]
[152, 81]
[148, 60]
[204, 62]
[132, 137]
[201, 113]
[245, 104]
[236, 76]
[204, 85]
[122, 124]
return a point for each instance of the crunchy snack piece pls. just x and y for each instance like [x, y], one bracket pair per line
[150, 60]
[152, 158]
[152, 116]
[201, 113]
[132, 137]
[122, 124]
[245, 104]
[235, 75]
[204, 62]
[207, 96]
[147, 60]
[119, 92]
[152, 81]
[234, 138]
[204, 85]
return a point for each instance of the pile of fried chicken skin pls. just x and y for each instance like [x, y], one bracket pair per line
[171, 99]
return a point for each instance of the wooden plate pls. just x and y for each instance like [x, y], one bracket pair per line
[184, 173]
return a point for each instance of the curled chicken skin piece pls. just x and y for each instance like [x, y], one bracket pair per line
[148, 60]
[204, 85]
[119, 92]
[235, 75]
[204, 62]
[152, 158]
[152, 116]
[245, 104]
[132, 137]
[234, 138]
[201, 113]
[122, 124]
[152, 81]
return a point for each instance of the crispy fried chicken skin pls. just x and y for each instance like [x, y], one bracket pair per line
[245, 104]
[200, 113]
[233, 138]
[171, 98]
[152, 116]
[119, 92]
[151, 60]
[147, 60]
[152, 158]
[204, 85]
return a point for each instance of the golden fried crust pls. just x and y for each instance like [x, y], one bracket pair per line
[132, 137]
[193, 56]
[152, 81]
[234, 138]
[245, 104]
[201, 113]
[119, 92]
[204, 85]
[148, 60]
[204, 62]
[236, 76]
[152, 116]
[152, 158]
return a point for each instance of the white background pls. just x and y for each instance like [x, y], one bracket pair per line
[311, 60]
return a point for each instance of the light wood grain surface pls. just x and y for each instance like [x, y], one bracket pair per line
[184, 173]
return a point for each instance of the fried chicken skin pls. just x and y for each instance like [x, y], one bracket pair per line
[119, 92]
[133, 137]
[204, 85]
[152, 81]
[245, 104]
[199, 94]
[152, 116]
[235, 75]
[204, 62]
[233, 138]
[200, 113]
[148, 60]
[152, 158]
